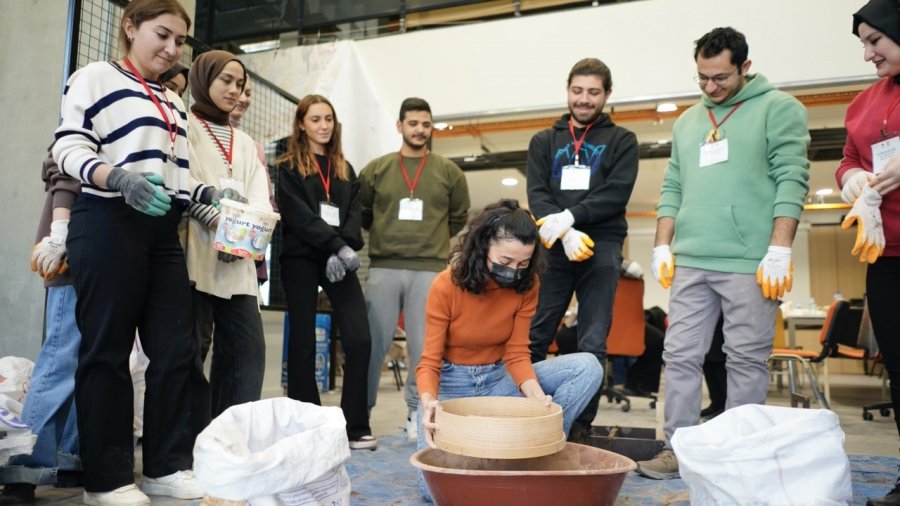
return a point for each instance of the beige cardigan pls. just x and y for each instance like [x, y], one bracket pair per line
[210, 275]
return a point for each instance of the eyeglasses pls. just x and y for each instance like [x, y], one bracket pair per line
[720, 79]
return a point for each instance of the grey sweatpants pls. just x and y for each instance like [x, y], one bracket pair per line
[389, 291]
[694, 304]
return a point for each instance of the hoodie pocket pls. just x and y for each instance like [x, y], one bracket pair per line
[708, 231]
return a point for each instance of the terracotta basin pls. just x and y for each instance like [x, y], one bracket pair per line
[578, 475]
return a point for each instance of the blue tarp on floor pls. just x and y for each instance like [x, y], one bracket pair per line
[385, 477]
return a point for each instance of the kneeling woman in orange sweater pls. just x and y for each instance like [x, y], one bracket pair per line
[477, 319]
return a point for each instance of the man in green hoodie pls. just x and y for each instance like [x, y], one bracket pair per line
[731, 197]
[413, 201]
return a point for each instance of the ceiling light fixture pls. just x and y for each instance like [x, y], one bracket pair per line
[509, 181]
[441, 126]
[666, 107]
[824, 191]
[257, 47]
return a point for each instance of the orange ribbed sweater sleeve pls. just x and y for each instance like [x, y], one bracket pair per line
[471, 329]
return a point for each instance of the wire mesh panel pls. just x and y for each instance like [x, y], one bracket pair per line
[268, 120]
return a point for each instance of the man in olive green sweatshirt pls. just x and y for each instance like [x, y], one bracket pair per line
[731, 197]
[413, 202]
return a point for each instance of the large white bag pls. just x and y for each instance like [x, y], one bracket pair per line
[275, 451]
[15, 373]
[756, 454]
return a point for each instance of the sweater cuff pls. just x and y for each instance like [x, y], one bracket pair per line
[788, 210]
[64, 199]
[580, 214]
[666, 212]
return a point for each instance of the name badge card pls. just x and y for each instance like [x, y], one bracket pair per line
[330, 213]
[575, 177]
[410, 209]
[234, 184]
[712, 153]
[883, 151]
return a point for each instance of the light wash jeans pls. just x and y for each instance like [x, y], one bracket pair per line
[50, 404]
[570, 379]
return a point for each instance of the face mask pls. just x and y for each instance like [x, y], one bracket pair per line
[505, 276]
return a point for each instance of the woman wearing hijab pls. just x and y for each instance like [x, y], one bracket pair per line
[318, 197]
[224, 286]
[869, 175]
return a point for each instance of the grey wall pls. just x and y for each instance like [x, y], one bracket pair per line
[33, 38]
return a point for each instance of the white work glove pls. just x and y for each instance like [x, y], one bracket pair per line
[577, 245]
[775, 274]
[48, 256]
[866, 212]
[554, 226]
[854, 186]
[662, 265]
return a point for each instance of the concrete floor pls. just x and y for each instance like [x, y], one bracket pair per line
[848, 393]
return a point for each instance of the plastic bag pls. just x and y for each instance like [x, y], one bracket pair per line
[275, 451]
[756, 454]
[15, 372]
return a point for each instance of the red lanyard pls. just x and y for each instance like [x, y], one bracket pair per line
[716, 126]
[579, 142]
[227, 154]
[326, 181]
[412, 185]
[887, 114]
[172, 128]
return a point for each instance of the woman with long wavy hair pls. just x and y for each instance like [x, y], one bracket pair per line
[318, 197]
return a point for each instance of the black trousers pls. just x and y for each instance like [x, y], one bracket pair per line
[882, 286]
[301, 278]
[129, 274]
[594, 281]
[239, 347]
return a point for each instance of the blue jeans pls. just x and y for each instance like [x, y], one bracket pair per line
[50, 406]
[570, 379]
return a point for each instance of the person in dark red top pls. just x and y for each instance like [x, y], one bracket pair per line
[869, 176]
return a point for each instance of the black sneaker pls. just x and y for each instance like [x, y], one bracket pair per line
[891, 499]
[580, 434]
[18, 493]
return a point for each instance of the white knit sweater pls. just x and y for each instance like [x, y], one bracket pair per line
[107, 117]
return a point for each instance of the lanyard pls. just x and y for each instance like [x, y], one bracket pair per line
[578, 142]
[887, 114]
[412, 185]
[172, 128]
[227, 154]
[712, 119]
[326, 180]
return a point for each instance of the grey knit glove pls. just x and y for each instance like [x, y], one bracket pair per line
[349, 257]
[335, 269]
[141, 190]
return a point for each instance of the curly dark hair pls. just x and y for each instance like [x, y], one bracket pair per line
[720, 39]
[503, 220]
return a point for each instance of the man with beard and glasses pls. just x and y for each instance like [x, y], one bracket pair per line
[413, 201]
[731, 199]
[580, 176]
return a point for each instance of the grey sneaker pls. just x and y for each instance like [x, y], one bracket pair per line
[664, 466]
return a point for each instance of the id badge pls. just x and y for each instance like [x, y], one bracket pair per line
[712, 153]
[410, 209]
[330, 213]
[234, 184]
[883, 151]
[575, 177]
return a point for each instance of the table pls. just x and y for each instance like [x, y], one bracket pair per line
[802, 321]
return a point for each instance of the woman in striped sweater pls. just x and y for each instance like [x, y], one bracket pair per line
[123, 135]
[225, 286]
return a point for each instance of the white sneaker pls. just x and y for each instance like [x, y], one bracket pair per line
[180, 485]
[129, 495]
[412, 430]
